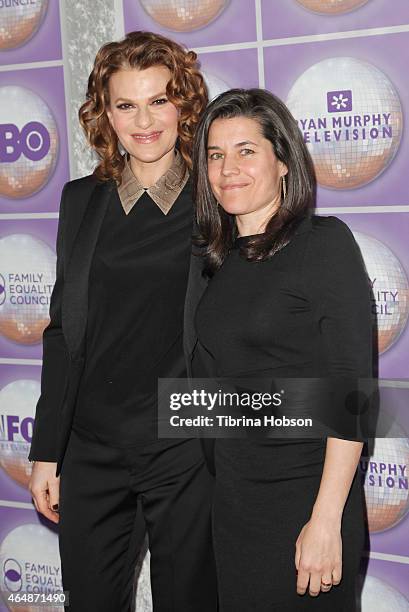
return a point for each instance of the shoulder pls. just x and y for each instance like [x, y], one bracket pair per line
[320, 230]
[80, 186]
[329, 225]
[77, 193]
[332, 247]
[330, 233]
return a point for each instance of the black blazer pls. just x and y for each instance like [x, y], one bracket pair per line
[83, 205]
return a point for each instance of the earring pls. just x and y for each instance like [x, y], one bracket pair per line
[122, 149]
[283, 187]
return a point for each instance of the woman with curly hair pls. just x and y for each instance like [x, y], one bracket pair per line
[123, 256]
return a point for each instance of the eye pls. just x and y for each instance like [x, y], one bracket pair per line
[124, 106]
[160, 101]
[245, 152]
[214, 156]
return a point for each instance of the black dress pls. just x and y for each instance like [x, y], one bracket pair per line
[303, 313]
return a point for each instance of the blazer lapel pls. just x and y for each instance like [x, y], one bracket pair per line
[75, 295]
[195, 289]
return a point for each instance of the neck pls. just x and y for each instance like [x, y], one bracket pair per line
[148, 173]
[256, 221]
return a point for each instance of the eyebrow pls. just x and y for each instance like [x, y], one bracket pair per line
[239, 144]
[158, 95]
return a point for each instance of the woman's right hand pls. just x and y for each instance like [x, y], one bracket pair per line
[44, 487]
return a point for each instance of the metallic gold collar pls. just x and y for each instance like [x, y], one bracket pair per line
[165, 191]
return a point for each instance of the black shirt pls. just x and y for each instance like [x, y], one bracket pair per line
[137, 289]
[303, 313]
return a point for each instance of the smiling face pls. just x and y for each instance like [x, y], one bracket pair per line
[144, 120]
[244, 173]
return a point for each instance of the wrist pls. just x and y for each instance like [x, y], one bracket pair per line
[329, 513]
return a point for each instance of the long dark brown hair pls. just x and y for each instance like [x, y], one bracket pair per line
[217, 228]
[186, 90]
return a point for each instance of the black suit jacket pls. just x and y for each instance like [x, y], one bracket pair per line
[83, 205]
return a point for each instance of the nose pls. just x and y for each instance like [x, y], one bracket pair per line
[230, 166]
[144, 118]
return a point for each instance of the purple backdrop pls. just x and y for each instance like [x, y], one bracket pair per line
[43, 46]
[48, 83]
[393, 540]
[235, 68]
[12, 518]
[283, 66]
[392, 573]
[392, 229]
[9, 488]
[283, 18]
[218, 32]
[46, 230]
[284, 62]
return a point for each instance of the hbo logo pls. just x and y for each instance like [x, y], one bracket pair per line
[33, 141]
[29, 142]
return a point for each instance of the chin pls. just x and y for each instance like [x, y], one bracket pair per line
[147, 156]
[234, 209]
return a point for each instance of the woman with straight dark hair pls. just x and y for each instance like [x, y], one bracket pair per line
[288, 297]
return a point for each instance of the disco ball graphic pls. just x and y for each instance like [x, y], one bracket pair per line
[30, 561]
[351, 118]
[390, 290]
[215, 85]
[184, 15]
[29, 142]
[331, 7]
[2, 290]
[386, 493]
[17, 408]
[380, 596]
[19, 22]
[28, 268]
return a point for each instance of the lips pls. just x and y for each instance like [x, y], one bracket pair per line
[146, 138]
[234, 186]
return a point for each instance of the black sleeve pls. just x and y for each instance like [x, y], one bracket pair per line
[339, 288]
[54, 375]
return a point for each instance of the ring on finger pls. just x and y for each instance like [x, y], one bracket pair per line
[325, 586]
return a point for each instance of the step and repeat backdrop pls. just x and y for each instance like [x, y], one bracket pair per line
[340, 66]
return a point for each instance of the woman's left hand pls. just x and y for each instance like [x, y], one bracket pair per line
[318, 556]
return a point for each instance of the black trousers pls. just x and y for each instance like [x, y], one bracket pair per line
[108, 496]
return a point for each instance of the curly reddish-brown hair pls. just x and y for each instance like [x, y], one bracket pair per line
[186, 89]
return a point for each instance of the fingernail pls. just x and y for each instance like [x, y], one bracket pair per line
[55, 507]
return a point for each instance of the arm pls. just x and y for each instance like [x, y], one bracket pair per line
[318, 556]
[341, 461]
[54, 371]
[44, 485]
[344, 317]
